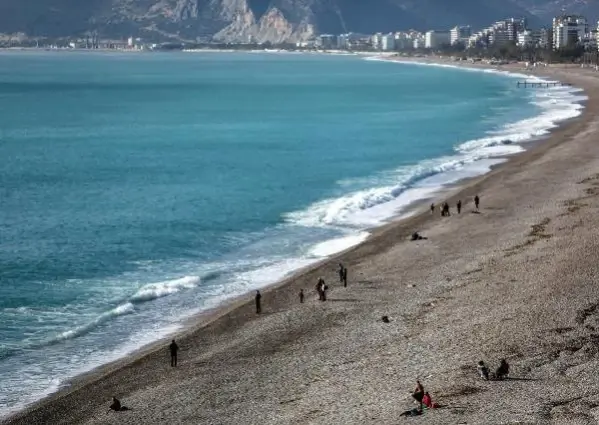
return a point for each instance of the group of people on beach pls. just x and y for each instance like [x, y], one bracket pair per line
[321, 289]
[445, 207]
[422, 397]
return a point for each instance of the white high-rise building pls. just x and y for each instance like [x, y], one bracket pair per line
[419, 42]
[568, 30]
[436, 39]
[377, 41]
[388, 42]
[459, 35]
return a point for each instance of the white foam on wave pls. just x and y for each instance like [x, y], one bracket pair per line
[375, 205]
[41, 384]
[352, 210]
[334, 246]
[153, 291]
[271, 273]
[121, 310]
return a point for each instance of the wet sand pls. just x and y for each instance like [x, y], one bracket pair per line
[517, 281]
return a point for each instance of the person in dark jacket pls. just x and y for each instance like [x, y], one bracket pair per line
[173, 348]
[258, 302]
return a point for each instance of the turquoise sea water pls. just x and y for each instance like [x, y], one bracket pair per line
[138, 189]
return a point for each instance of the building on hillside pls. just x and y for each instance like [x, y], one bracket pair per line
[436, 39]
[459, 35]
[569, 30]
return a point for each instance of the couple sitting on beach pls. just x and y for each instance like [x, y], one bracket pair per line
[502, 371]
[423, 398]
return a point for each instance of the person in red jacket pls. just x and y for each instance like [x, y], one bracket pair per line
[427, 400]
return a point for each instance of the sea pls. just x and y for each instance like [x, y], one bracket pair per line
[140, 189]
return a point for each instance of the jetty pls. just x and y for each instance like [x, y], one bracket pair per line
[542, 84]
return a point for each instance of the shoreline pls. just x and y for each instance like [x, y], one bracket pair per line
[239, 308]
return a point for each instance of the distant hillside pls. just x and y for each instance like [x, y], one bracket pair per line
[547, 9]
[260, 20]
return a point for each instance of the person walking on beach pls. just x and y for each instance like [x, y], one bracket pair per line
[321, 287]
[432, 208]
[258, 302]
[459, 206]
[301, 296]
[173, 348]
[345, 277]
[476, 202]
[341, 270]
[445, 212]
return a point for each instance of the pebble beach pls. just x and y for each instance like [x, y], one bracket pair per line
[516, 280]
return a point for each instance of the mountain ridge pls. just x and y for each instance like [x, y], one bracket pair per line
[262, 20]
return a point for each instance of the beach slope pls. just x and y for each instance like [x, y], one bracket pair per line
[516, 281]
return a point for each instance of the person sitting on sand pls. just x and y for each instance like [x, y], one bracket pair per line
[503, 370]
[116, 405]
[418, 393]
[427, 400]
[417, 237]
[483, 370]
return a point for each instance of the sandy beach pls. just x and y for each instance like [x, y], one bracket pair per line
[515, 281]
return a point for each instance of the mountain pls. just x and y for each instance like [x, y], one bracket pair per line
[259, 20]
[547, 9]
